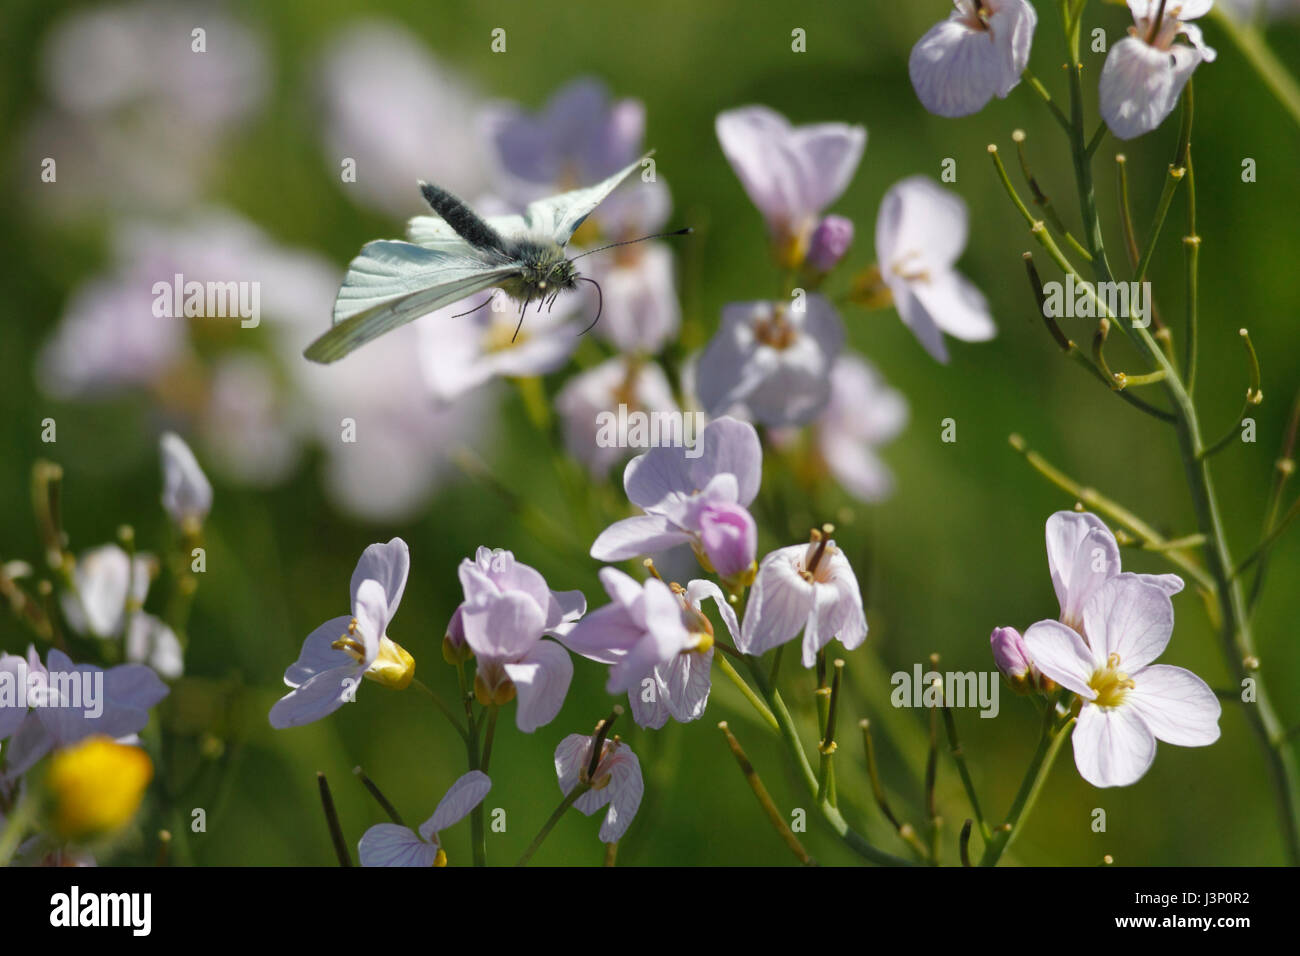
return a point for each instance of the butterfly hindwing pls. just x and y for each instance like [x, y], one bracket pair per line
[432, 232]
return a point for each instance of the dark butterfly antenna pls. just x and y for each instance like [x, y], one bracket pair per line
[600, 302]
[487, 301]
[627, 242]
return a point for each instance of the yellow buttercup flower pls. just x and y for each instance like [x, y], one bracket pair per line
[97, 786]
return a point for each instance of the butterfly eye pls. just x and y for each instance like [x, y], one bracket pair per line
[542, 284]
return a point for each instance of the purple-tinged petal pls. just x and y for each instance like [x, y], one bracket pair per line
[503, 626]
[318, 654]
[606, 635]
[319, 697]
[687, 681]
[187, 493]
[1009, 653]
[571, 757]
[389, 564]
[461, 798]
[13, 683]
[632, 537]
[387, 844]
[653, 713]
[729, 537]
[541, 679]
[563, 608]
[626, 788]
[730, 447]
[661, 474]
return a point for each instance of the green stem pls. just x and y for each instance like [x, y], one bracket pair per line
[442, 706]
[959, 758]
[1049, 745]
[790, 734]
[755, 701]
[569, 800]
[16, 828]
[488, 736]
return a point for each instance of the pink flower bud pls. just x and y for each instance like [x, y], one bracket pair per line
[830, 241]
[1010, 654]
[454, 648]
[729, 538]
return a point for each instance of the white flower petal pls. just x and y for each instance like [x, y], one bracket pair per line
[1060, 653]
[779, 602]
[1140, 85]
[1177, 706]
[187, 493]
[1130, 618]
[1112, 746]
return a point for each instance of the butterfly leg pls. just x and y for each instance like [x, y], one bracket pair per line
[485, 302]
[521, 320]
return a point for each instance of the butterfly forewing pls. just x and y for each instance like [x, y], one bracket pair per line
[392, 283]
[558, 217]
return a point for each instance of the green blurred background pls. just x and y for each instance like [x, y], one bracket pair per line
[957, 550]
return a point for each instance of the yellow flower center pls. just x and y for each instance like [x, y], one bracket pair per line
[393, 666]
[97, 786]
[501, 336]
[1111, 684]
[775, 332]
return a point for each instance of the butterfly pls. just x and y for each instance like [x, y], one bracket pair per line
[455, 254]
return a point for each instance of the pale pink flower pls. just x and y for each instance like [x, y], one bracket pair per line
[507, 609]
[791, 173]
[920, 233]
[682, 496]
[1128, 702]
[1146, 71]
[616, 782]
[809, 588]
[771, 361]
[1082, 555]
[976, 54]
[390, 844]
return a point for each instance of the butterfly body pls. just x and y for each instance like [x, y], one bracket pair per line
[455, 255]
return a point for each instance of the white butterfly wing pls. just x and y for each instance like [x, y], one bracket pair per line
[391, 283]
[558, 217]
